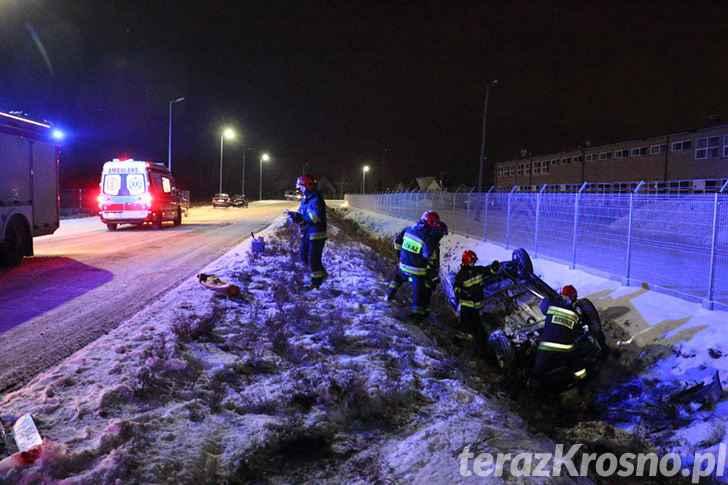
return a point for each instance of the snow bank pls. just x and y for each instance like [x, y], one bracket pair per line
[661, 344]
[277, 384]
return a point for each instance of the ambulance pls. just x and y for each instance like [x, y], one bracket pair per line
[135, 192]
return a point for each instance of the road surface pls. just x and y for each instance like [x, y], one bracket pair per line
[85, 280]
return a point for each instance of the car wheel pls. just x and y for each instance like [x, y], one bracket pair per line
[502, 349]
[594, 322]
[111, 226]
[16, 239]
[523, 262]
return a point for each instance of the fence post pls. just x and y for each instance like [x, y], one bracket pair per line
[576, 225]
[629, 232]
[467, 223]
[485, 224]
[708, 303]
[508, 216]
[538, 220]
[454, 196]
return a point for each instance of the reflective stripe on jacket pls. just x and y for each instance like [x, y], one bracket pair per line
[418, 249]
[313, 211]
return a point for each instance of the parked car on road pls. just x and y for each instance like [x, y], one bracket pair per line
[239, 201]
[221, 200]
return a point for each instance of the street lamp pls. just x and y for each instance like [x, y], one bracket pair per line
[364, 171]
[263, 158]
[169, 155]
[228, 133]
[482, 141]
[245, 152]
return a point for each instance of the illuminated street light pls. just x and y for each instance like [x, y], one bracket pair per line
[228, 133]
[263, 158]
[364, 171]
[169, 153]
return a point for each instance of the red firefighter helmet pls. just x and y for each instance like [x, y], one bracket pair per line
[306, 181]
[569, 292]
[430, 218]
[441, 228]
[469, 256]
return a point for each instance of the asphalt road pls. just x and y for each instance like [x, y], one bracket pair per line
[85, 280]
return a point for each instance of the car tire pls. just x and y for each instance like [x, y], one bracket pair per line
[523, 262]
[502, 349]
[111, 226]
[594, 322]
[16, 240]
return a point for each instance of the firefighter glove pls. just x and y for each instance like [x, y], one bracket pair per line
[295, 217]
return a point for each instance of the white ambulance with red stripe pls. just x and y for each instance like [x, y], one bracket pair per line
[135, 192]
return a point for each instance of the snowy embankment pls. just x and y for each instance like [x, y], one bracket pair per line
[277, 385]
[286, 386]
[662, 347]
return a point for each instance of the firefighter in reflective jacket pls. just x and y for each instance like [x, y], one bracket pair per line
[557, 348]
[468, 286]
[439, 230]
[417, 249]
[311, 216]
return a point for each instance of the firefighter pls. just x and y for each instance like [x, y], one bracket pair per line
[433, 267]
[416, 246]
[468, 286]
[558, 364]
[311, 216]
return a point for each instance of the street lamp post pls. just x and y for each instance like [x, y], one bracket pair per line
[364, 171]
[263, 158]
[169, 153]
[482, 140]
[228, 133]
[245, 152]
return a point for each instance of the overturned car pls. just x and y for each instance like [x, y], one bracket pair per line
[511, 304]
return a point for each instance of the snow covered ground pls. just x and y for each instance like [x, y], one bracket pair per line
[280, 385]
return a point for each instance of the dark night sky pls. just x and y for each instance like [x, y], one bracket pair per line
[336, 85]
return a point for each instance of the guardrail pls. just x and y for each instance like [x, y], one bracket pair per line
[675, 241]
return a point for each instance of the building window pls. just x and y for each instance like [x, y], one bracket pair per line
[658, 149]
[621, 153]
[527, 169]
[725, 146]
[564, 160]
[536, 168]
[555, 161]
[706, 147]
[639, 152]
[500, 171]
[512, 171]
[679, 146]
[605, 156]
[545, 167]
[577, 159]
[589, 157]
[520, 169]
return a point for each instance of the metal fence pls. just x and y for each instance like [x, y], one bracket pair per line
[670, 235]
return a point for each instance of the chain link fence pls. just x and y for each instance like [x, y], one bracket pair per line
[78, 202]
[672, 236]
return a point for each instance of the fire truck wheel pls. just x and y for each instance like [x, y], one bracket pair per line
[16, 240]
